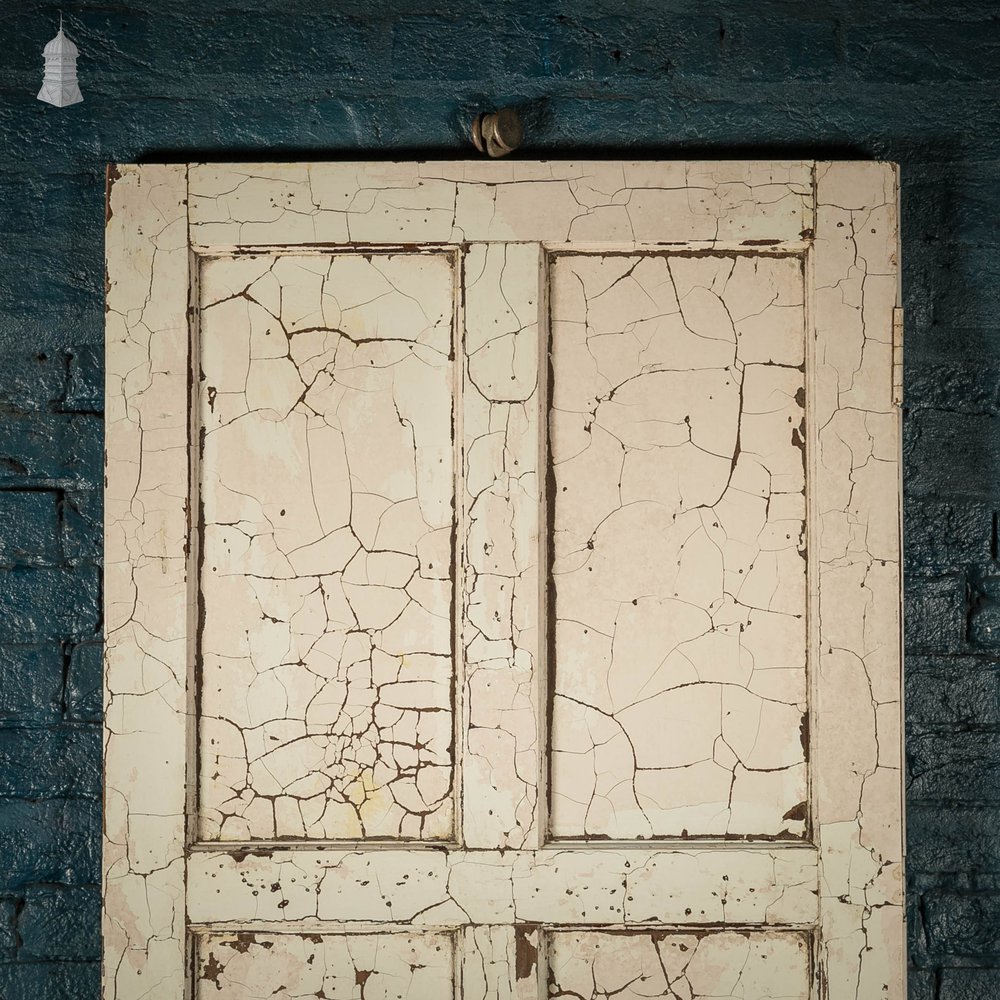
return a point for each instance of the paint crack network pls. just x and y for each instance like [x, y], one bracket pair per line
[346, 967]
[721, 965]
[327, 512]
[678, 576]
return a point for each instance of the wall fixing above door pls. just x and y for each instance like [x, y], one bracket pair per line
[497, 133]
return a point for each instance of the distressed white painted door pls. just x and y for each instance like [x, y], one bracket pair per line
[502, 568]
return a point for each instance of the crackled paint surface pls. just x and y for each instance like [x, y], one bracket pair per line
[731, 965]
[676, 430]
[501, 424]
[624, 886]
[146, 605]
[335, 967]
[858, 788]
[327, 505]
[546, 201]
[259, 685]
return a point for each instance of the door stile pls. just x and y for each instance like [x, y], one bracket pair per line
[145, 583]
[500, 618]
[503, 766]
[857, 782]
[501, 962]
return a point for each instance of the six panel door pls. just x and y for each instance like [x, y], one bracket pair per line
[502, 580]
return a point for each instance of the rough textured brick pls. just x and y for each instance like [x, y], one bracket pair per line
[46, 205]
[920, 985]
[917, 952]
[9, 906]
[31, 380]
[29, 528]
[961, 765]
[49, 603]
[83, 683]
[952, 837]
[951, 455]
[613, 47]
[970, 984]
[55, 922]
[245, 46]
[943, 691]
[946, 536]
[85, 385]
[434, 48]
[50, 449]
[82, 534]
[950, 52]
[31, 683]
[945, 345]
[935, 614]
[967, 290]
[984, 619]
[963, 923]
[61, 284]
[49, 841]
[963, 386]
[55, 762]
[810, 48]
[963, 194]
[51, 980]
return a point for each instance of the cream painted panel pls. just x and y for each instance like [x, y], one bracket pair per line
[398, 966]
[628, 885]
[327, 509]
[726, 965]
[678, 576]
[518, 200]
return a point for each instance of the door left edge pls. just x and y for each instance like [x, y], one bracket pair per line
[146, 600]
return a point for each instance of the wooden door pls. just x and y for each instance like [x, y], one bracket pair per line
[502, 575]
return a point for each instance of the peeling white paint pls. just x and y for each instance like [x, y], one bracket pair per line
[146, 601]
[344, 967]
[730, 965]
[500, 626]
[524, 201]
[621, 886]
[336, 496]
[676, 429]
[327, 504]
[857, 790]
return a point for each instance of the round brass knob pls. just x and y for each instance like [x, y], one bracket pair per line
[497, 133]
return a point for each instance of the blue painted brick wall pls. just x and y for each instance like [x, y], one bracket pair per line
[909, 80]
